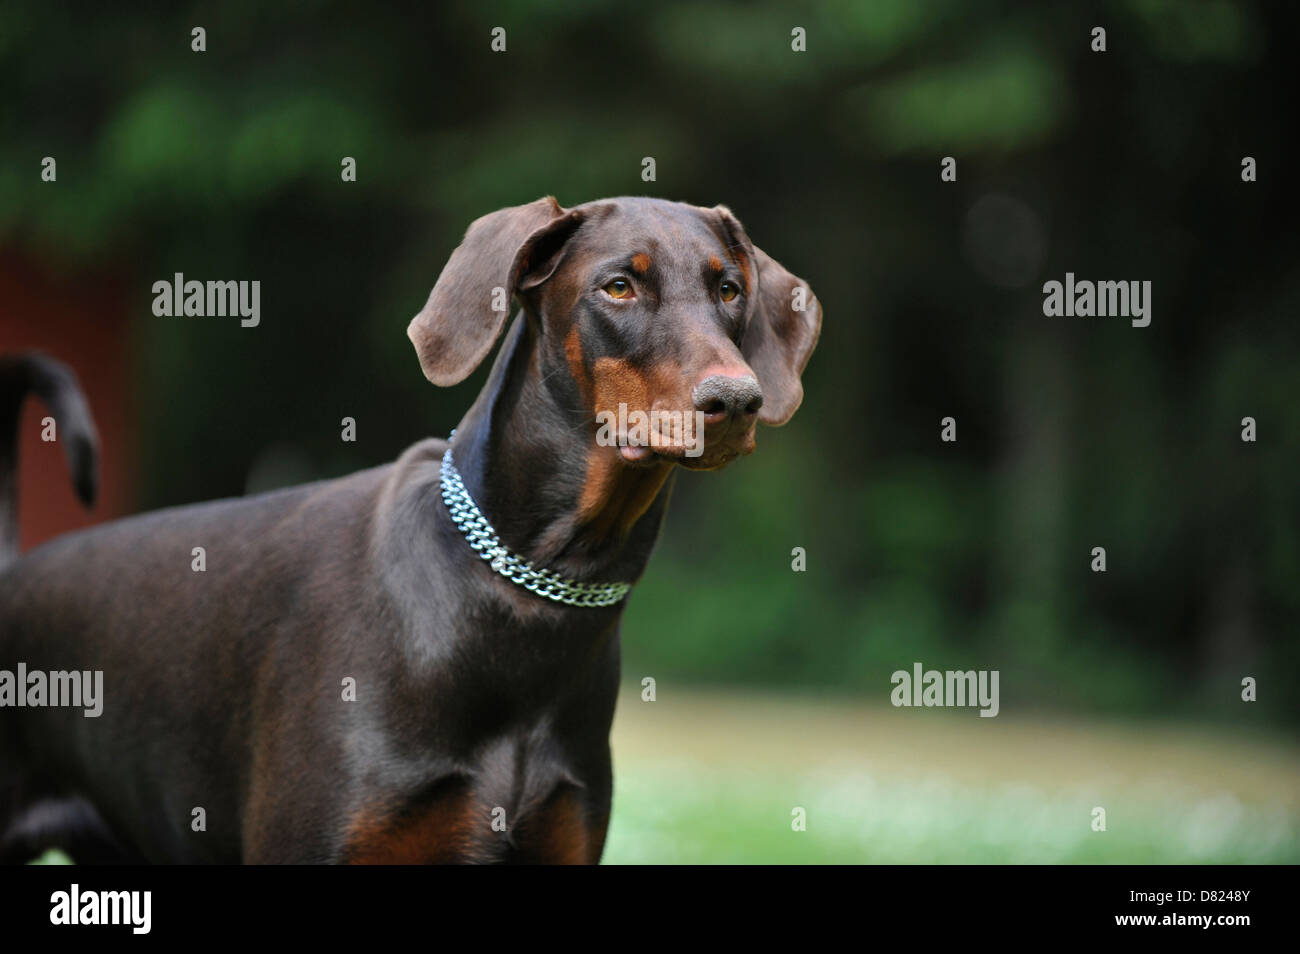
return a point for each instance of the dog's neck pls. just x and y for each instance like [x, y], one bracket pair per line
[527, 454]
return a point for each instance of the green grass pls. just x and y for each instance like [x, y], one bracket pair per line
[713, 777]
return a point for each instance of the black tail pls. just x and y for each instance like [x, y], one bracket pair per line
[56, 385]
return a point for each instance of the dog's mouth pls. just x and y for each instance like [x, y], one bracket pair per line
[713, 457]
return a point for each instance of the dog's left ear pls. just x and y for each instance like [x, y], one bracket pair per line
[785, 319]
[503, 252]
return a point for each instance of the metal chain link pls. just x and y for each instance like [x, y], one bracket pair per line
[480, 535]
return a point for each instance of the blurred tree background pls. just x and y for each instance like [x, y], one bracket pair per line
[1072, 433]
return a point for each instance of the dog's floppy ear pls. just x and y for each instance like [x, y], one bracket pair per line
[785, 319]
[468, 306]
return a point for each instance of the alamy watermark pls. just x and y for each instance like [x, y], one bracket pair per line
[194, 299]
[77, 907]
[1088, 299]
[932, 687]
[59, 688]
[655, 428]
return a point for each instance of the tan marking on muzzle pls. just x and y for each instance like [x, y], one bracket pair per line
[573, 355]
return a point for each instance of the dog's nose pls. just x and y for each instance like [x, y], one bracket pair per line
[721, 396]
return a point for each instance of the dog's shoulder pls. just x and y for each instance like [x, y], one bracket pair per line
[427, 451]
[410, 476]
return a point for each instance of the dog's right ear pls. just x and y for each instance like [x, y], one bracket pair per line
[468, 306]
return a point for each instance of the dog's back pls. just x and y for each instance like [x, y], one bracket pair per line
[172, 586]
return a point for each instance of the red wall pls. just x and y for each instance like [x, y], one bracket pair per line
[81, 319]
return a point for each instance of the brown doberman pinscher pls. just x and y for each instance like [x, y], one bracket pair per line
[419, 662]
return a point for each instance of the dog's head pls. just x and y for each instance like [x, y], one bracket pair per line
[653, 318]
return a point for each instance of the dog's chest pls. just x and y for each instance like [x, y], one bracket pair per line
[519, 797]
[501, 757]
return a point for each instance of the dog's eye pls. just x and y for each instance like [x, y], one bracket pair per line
[728, 291]
[619, 288]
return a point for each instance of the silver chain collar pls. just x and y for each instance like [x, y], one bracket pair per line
[480, 535]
